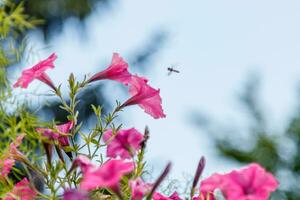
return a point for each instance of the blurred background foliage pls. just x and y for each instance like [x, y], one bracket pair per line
[14, 118]
[278, 152]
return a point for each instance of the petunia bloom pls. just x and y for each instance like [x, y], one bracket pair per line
[74, 194]
[8, 159]
[107, 175]
[63, 130]
[250, 183]
[58, 134]
[158, 196]
[139, 189]
[124, 144]
[145, 96]
[208, 186]
[84, 163]
[37, 72]
[21, 191]
[117, 71]
[5, 166]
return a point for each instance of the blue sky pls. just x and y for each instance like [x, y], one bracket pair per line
[216, 44]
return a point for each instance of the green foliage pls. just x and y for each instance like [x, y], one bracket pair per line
[60, 11]
[14, 119]
[14, 22]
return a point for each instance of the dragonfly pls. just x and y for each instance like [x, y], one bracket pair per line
[171, 70]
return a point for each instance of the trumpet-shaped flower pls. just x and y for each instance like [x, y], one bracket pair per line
[106, 176]
[124, 144]
[117, 71]
[63, 130]
[158, 196]
[250, 183]
[139, 188]
[37, 72]
[21, 191]
[84, 163]
[207, 186]
[60, 134]
[145, 96]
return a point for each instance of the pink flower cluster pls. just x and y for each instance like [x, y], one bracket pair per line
[37, 72]
[13, 154]
[21, 190]
[122, 146]
[142, 93]
[59, 135]
[250, 183]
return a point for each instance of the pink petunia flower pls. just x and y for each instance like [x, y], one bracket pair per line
[250, 183]
[158, 196]
[37, 72]
[124, 144]
[207, 186]
[21, 191]
[63, 130]
[117, 71]
[139, 189]
[5, 166]
[84, 163]
[106, 176]
[74, 194]
[58, 134]
[145, 96]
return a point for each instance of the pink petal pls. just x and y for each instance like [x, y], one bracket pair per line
[65, 128]
[139, 189]
[48, 133]
[75, 195]
[117, 71]
[106, 176]
[252, 182]
[61, 136]
[22, 190]
[124, 144]
[37, 72]
[84, 163]
[146, 97]
[13, 147]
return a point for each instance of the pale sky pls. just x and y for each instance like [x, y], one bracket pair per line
[216, 44]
